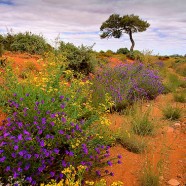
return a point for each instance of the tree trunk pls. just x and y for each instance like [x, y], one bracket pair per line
[132, 41]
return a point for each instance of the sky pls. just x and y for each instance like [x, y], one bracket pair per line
[79, 21]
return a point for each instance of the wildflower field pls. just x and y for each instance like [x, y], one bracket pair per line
[70, 116]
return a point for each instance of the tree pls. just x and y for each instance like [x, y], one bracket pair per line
[116, 25]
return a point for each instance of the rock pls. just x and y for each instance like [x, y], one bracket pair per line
[147, 105]
[177, 125]
[173, 182]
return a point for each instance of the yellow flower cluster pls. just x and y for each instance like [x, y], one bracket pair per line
[103, 182]
[104, 120]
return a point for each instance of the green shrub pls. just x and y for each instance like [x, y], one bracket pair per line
[1, 49]
[122, 51]
[135, 55]
[80, 59]
[172, 113]
[26, 42]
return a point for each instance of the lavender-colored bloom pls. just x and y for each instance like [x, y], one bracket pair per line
[36, 156]
[26, 132]
[62, 106]
[61, 97]
[2, 159]
[98, 173]
[13, 154]
[27, 166]
[15, 175]
[119, 162]
[61, 132]
[112, 174]
[52, 123]
[29, 179]
[14, 94]
[42, 143]
[119, 156]
[63, 120]
[16, 147]
[21, 99]
[27, 156]
[27, 94]
[53, 115]
[43, 121]
[21, 153]
[7, 168]
[53, 99]
[106, 171]
[71, 153]
[56, 151]
[64, 164]
[52, 174]
[109, 163]
[6, 134]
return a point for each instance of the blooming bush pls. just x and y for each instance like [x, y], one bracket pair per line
[37, 147]
[127, 83]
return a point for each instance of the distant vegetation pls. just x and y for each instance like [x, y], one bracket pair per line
[25, 42]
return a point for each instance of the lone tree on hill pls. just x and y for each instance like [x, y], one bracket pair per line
[116, 25]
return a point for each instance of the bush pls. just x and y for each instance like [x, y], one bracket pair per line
[126, 84]
[26, 42]
[80, 59]
[135, 55]
[51, 125]
[122, 51]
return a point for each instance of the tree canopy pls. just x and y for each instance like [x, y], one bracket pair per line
[116, 25]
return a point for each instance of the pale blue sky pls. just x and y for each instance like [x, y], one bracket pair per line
[78, 21]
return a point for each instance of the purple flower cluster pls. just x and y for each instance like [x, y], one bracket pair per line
[36, 143]
[127, 83]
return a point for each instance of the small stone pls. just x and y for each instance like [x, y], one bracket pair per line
[177, 125]
[147, 105]
[173, 182]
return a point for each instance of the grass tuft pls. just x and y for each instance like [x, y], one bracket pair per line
[172, 113]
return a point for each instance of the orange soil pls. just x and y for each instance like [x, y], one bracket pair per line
[169, 144]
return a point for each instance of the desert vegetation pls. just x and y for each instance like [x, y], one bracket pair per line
[59, 107]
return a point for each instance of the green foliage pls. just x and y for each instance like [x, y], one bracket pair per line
[1, 49]
[172, 113]
[25, 42]
[80, 59]
[135, 55]
[122, 51]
